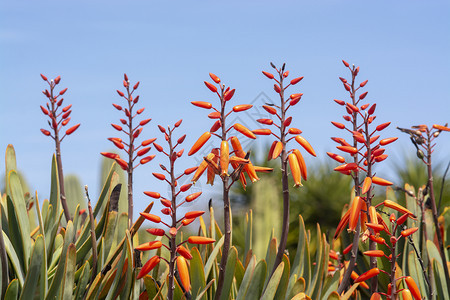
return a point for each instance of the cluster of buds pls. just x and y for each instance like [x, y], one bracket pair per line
[178, 253]
[366, 149]
[287, 133]
[59, 118]
[217, 162]
[423, 138]
[132, 131]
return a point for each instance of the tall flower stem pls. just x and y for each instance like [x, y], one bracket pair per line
[284, 180]
[58, 119]
[226, 208]
[433, 205]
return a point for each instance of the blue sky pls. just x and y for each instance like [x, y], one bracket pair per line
[402, 47]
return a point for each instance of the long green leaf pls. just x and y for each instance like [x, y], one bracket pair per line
[55, 286]
[257, 283]
[229, 273]
[69, 273]
[284, 281]
[212, 256]
[21, 213]
[196, 272]
[247, 278]
[82, 282]
[43, 285]
[14, 259]
[12, 292]
[439, 278]
[36, 260]
[272, 285]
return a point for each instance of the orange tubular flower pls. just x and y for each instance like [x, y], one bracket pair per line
[398, 207]
[277, 150]
[304, 143]
[295, 169]
[151, 217]
[366, 185]
[367, 275]
[199, 143]
[374, 253]
[149, 246]
[409, 231]
[149, 265]
[201, 240]
[244, 130]
[184, 273]
[406, 294]
[354, 276]
[301, 163]
[184, 252]
[224, 157]
[355, 210]
[440, 127]
[202, 104]
[373, 215]
[381, 181]
[412, 286]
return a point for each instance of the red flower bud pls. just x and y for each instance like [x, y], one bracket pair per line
[156, 231]
[268, 75]
[117, 127]
[57, 79]
[45, 132]
[139, 111]
[178, 123]
[211, 87]
[144, 122]
[72, 129]
[136, 85]
[63, 91]
[147, 159]
[228, 95]
[372, 109]
[118, 107]
[43, 77]
[363, 95]
[121, 94]
[44, 110]
[214, 78]
[296, 80]
[277, 88]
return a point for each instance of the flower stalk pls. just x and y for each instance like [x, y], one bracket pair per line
[59, 118]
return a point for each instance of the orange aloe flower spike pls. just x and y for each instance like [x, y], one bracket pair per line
[149, 246]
